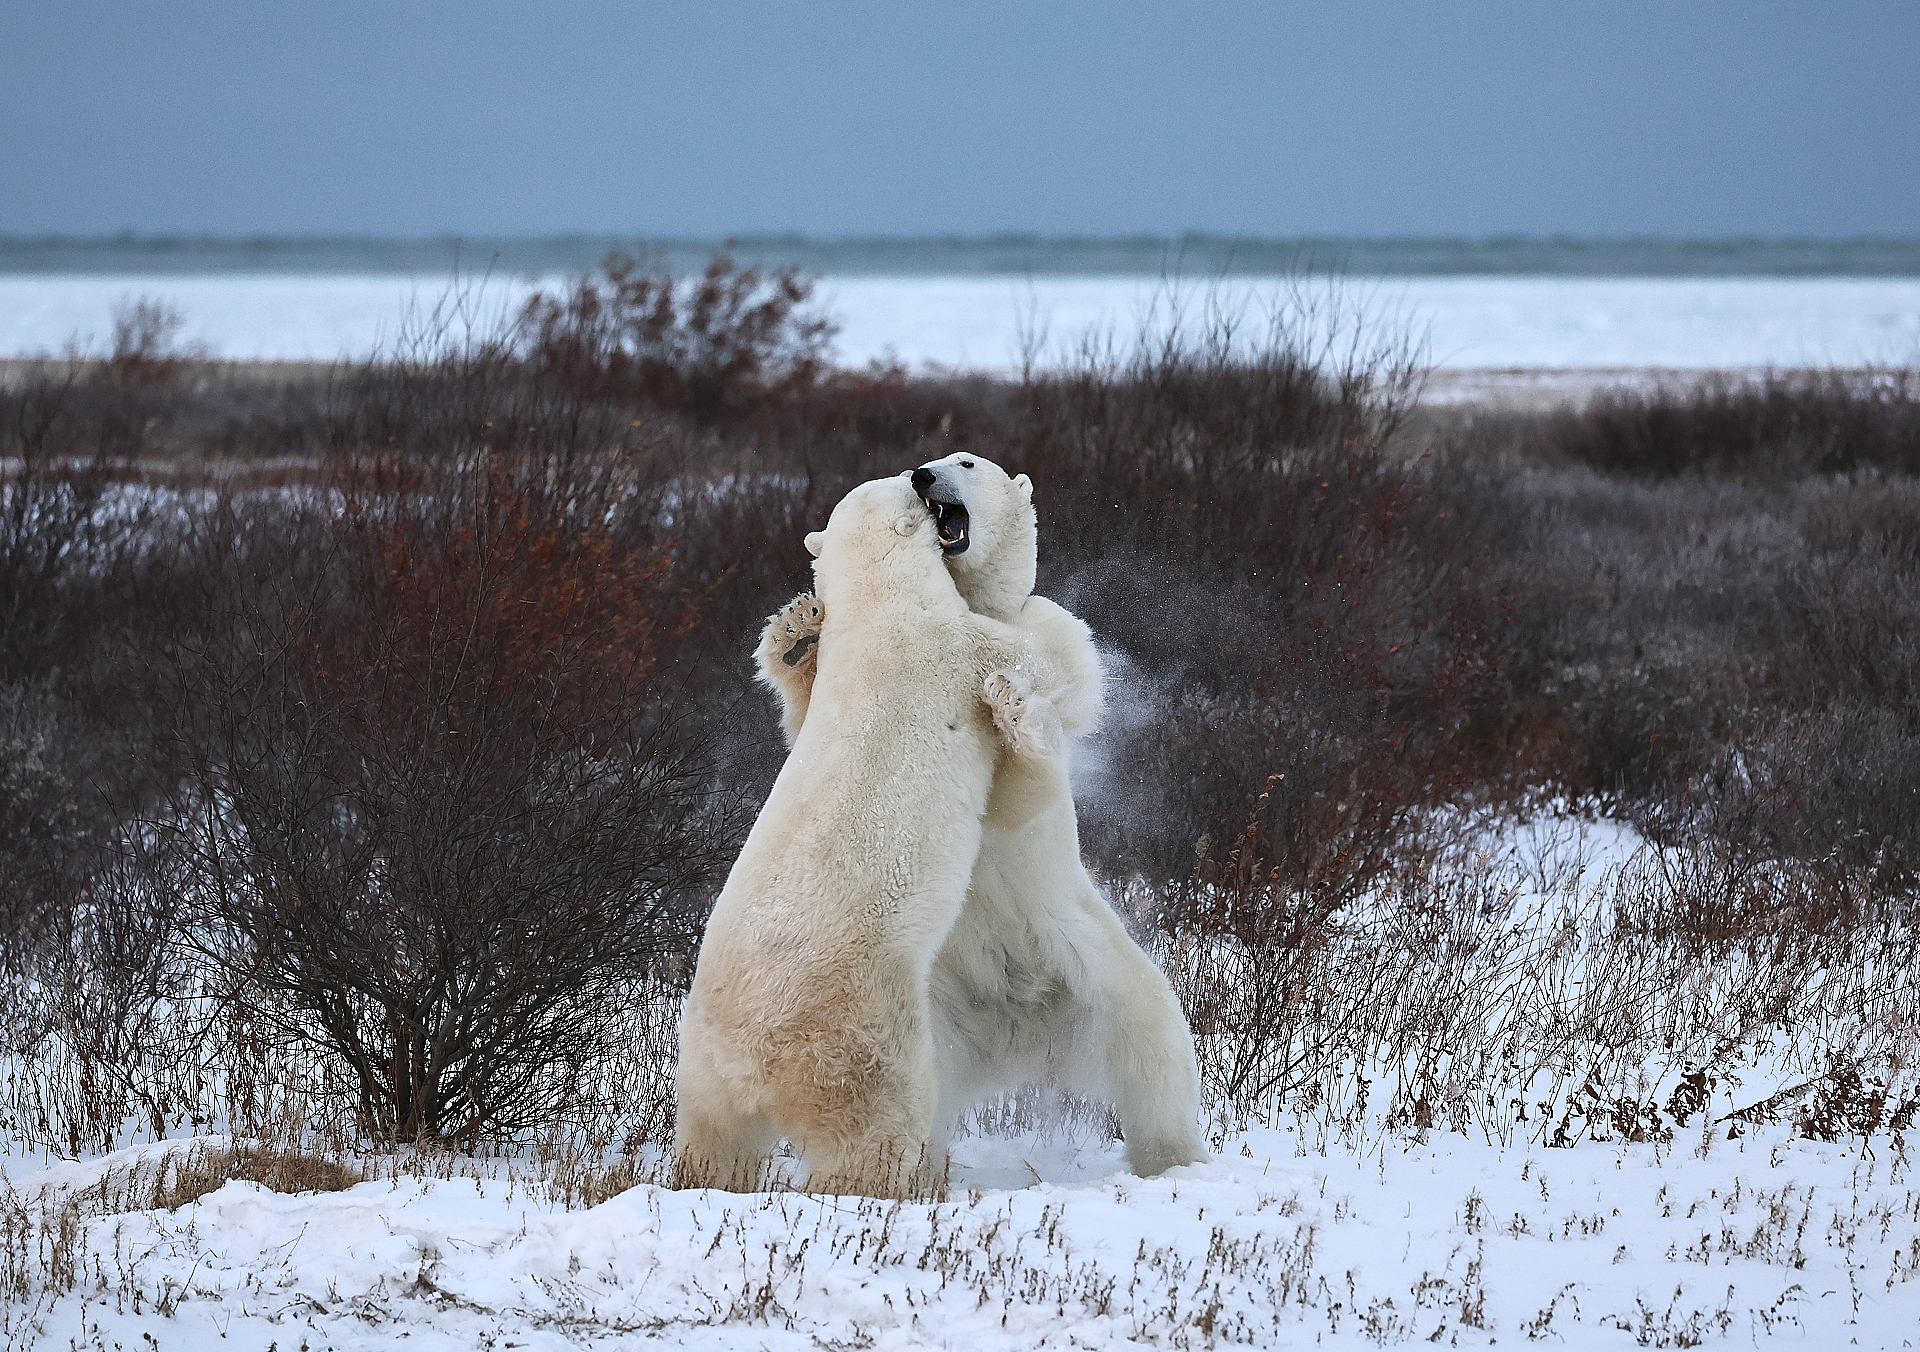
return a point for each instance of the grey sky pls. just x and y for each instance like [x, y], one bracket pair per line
[1694, 117]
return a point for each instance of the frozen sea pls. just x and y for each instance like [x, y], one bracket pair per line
[985, 303]
[987, 322]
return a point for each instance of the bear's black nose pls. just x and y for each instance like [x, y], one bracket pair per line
[922, 481]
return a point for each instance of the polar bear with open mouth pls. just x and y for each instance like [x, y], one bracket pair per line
[1037, 980]
[810, 1015]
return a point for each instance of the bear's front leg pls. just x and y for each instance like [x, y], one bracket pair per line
[789, 657]
[1032, 774]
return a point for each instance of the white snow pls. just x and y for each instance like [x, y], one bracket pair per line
[1319, 1226]
[1443, 1241]
[980, 322]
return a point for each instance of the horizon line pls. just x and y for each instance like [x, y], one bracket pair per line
[131, 236]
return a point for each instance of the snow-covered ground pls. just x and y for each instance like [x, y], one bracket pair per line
[980, 322]
[1321, 1224]
[1708, 1240]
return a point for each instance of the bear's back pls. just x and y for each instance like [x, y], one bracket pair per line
[872, 825]
[896, 721]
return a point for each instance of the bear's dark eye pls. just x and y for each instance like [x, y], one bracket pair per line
[966, 464]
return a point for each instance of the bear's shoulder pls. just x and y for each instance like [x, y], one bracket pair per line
[1065, 644]
[1042, 617]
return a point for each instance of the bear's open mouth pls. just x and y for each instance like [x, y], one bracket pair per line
[950, 523]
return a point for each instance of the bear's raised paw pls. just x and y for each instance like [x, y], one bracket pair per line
[797, 630]
[1007, 694]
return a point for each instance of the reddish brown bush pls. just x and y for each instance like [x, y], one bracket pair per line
[439, 798]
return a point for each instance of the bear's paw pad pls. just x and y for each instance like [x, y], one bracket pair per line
[1006, 694]
[797, 627]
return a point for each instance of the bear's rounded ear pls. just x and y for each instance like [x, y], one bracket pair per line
[909, 522]
[1025, 485]
[815, 542]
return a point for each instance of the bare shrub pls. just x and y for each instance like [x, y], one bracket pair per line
[1318, 655]
[61, 541]
[438, 804]
[1708, 653]
[146, 341]
[72, 550]
[444, 392]
[1462, 994]
[1780, 426]
[50, 831]
[187, 1176]
[730, 337]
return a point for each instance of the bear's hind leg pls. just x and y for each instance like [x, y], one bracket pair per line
[880, 1164]
[721, 1150]
[873, 1134]
[1128, 1038]
[1150, 1066]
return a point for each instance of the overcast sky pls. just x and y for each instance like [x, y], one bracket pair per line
[1689, 117]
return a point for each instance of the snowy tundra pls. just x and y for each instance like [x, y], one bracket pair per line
[1718, 1242]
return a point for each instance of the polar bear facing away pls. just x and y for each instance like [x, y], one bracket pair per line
[809, 1015]
[1038, 981]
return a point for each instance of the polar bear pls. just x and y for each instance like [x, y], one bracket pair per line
[1038, 980]
[809, 1013]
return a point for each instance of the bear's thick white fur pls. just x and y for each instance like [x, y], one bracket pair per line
[809, 1014]
[1038, 980]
